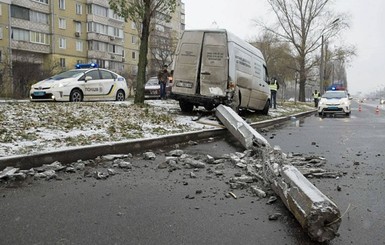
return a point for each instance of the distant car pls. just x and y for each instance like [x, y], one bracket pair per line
[382, 101]
[335, 102]
[152, 89]
[83, 84]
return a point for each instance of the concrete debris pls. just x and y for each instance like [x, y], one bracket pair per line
[100, 175]
[257, 191]
[8, 171]
[275, 216]
[48, 174]
[272, 199]
[316, 213]
[149, 155]
[175, 153]
[122, 164]
[55, 166]
[192, 163]
[112, 157]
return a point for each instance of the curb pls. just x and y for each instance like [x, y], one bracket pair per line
[71, 155]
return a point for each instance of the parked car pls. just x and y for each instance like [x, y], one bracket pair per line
[152, 89]
[335, 102]
[86, 83]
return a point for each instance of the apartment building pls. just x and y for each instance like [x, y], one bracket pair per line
[38, 37]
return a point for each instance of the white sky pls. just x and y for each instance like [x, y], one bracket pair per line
[366, 73]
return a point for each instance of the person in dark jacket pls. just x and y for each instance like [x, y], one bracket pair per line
[163, 76]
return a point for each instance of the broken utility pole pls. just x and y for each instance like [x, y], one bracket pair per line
[316, 213]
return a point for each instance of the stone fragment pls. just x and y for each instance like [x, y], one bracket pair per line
[149, 155]
[258, 192]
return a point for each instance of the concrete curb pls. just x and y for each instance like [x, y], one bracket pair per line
[124, 147]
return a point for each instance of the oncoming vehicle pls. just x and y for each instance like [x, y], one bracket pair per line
[152, 89]
[86, 83]
[334, 102]
[213, 67]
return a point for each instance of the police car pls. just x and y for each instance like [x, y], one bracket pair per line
[335, 101]
[85, 83]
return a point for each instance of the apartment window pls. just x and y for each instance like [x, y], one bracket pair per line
[79, 8]
[98, 28]
[79, 46]
[78, 26]
[1, 33]
[38, 17]
[19, 12]
[133, 26]
[37, 37]
[20, 35]
[62, 62]
[41, 1]
[62, 23]
[1, 7]
[62, 43]
[133, 39]
[133, 55]
[62, 4]
[99, 10]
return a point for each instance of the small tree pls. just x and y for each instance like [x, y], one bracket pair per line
[141, 12]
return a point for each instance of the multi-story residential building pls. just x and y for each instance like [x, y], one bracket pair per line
[38, 37]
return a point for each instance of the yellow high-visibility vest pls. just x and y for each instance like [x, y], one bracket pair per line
[316, 95]
[273, 86]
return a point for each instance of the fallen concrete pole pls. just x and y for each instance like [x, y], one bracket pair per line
[316, 213]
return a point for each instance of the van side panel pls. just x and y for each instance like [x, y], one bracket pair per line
[187, 63]
[260, 90]
[214, 65]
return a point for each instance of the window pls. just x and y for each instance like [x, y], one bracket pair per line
[133, 26]
[19, 12]
[62, 4]
[106, 75]
[1, 7]
[37, 37]
[99, 10]
[41, 1]
[133, 39]
[39, 17]
[62, 62]
[62, 43]
[20, 35]
[78, 26]
[79, 46]
[79, 8]
[1, 33]
[94, 74]
[133, 55]
[62, 23]
[98, 28]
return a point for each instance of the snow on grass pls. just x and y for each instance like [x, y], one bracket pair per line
[27, 127]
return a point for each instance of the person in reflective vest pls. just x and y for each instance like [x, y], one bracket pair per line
[274, 86]
[316, 96]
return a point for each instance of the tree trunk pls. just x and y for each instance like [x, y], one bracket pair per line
[143, 50]
[302, 80]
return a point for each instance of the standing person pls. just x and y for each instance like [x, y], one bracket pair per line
[163, 79]
[274, 86]
[316, 96]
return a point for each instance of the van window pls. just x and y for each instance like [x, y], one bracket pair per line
[188, 53]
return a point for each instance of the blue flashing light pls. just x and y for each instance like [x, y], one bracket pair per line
[90, 65]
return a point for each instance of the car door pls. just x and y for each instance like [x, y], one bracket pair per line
[108, 84]
[92, 87]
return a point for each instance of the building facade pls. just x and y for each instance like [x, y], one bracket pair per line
[42, 37]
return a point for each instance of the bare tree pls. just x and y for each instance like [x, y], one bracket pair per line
[304, 24]
[142, 12]
[163, 46]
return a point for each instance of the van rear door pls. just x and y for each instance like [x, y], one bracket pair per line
[214, 65]
[187, 63]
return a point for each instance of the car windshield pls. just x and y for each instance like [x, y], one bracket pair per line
[68, 74]
[334, 95]
[152, 81]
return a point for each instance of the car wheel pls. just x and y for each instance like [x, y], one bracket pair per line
[348, 114]
[120, 96]
[265, 110]
[76, 95]
[186, 106]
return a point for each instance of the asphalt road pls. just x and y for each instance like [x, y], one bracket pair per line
[147, 205]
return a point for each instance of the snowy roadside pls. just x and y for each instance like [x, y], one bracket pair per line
[28, 128]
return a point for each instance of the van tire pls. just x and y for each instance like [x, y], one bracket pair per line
[265, 110]
[186, 106]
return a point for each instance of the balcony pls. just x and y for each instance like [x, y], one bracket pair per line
[30, 47]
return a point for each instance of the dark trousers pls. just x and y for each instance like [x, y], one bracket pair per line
[273, 98]
[316, 102]
[162, 90]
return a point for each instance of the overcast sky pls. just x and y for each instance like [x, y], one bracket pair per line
[366, 73]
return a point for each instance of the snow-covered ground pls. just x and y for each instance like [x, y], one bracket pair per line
[28, 127]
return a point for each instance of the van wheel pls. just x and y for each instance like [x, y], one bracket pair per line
[186, 106]
[209, 107]
[265, 110]
[236, 101]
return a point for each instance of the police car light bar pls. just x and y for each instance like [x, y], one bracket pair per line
[91, 65]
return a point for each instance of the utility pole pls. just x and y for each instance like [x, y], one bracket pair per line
[321, 68]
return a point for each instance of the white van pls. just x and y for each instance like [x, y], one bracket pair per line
[213, 67]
